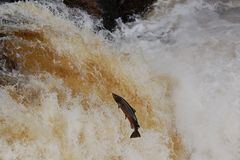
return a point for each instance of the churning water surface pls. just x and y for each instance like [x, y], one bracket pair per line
[179, 67]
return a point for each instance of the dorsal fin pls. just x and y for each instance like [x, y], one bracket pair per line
[133, 109]
[131, 125]
[119, 105]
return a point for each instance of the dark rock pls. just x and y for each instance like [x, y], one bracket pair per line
[10, 1]
[123, 9]
[91, 6]
[110, 10]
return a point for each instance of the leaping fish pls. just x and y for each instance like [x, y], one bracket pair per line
[129, 114]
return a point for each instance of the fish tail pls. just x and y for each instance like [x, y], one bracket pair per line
[135, 134]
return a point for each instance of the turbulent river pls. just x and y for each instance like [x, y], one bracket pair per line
[178, 66]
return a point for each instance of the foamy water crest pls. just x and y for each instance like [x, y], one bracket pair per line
[197, 44]
[61, 106]
[178, 67]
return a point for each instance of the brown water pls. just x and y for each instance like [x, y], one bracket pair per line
[62, 108]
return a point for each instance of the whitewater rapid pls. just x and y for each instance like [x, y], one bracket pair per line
[178, 66]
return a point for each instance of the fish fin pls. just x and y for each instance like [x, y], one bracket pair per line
[133, 109]
[135, 134]
[131, 125]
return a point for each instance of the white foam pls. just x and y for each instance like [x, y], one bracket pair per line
[201, 53]
[190, 43]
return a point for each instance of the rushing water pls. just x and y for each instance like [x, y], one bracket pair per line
[179, 67]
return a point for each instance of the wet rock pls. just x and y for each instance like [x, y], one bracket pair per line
[130, 7]
[110, 10]
[9, 1]
[91, 6]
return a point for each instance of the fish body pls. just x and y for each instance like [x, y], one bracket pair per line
[129, 114]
